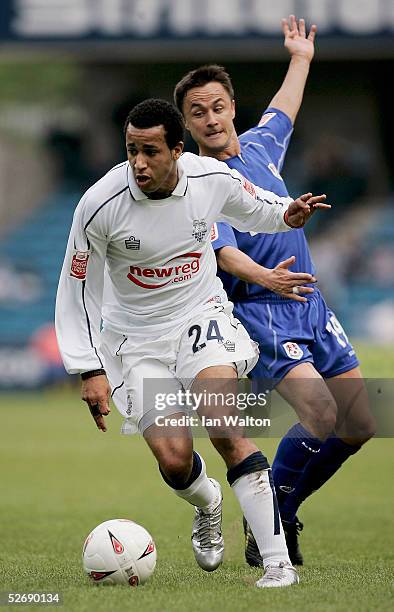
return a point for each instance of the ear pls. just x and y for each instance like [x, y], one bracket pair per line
[177, 150]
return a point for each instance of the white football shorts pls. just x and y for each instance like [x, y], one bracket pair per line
[139, 367]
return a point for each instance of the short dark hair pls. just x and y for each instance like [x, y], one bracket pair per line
[199, 77]
[153, 112]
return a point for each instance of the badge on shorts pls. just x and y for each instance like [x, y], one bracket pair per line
[293, 350]
[79, 264]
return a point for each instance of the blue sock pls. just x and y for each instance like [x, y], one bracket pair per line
[318, 470]
[294, 451]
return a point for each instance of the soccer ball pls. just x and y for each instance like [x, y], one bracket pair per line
[119, 552]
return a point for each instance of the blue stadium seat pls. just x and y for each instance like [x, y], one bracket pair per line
[36, 246]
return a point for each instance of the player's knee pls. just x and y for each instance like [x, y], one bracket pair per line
[322, 417]
[177, 466]
[325, 423]
[362, 429]
[369, 430]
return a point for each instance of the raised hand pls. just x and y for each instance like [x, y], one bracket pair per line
[303, 208]
[296, 41]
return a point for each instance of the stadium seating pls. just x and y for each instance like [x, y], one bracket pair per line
[36, 246]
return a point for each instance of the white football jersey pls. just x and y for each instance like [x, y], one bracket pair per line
[159, 262]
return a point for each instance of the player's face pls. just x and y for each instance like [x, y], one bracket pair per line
[209, 113]
[153, 163]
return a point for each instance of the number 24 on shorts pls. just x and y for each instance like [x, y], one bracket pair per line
[213, 333]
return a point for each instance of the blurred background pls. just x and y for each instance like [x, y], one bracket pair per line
[70, 70]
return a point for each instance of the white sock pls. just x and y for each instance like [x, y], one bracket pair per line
[256, 499]
[202, 492]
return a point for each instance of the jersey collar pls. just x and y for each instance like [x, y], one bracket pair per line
[179, 191]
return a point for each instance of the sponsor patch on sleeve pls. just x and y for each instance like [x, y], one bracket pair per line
[214, 232]
[266, 118]
[249, 187]
[79, 264]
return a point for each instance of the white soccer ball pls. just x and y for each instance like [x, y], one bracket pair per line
[119, 552]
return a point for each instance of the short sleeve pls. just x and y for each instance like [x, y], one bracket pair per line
[273, 132]
[223, 235]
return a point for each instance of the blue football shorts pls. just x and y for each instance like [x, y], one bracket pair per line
[289, 333]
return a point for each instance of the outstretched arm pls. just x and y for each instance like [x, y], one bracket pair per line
[279, 279]
[248, 207]
[301, 48]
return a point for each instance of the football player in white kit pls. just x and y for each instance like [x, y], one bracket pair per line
[165, 322]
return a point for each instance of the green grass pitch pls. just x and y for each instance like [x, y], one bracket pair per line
[60, 477]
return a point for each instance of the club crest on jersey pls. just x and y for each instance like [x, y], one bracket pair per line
[293, 350]
[133, 244]
[199, 229]
[79, 264]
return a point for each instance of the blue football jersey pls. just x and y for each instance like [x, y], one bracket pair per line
[263, 149]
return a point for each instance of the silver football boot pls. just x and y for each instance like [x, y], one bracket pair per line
[281, 575]
[207, 539]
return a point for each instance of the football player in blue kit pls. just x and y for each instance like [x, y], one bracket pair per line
[304, 351]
